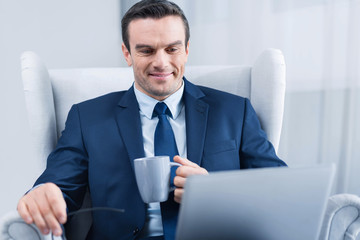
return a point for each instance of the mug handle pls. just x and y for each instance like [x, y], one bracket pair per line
[174, 164]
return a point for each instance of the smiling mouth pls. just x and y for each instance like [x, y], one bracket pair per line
[160, 75]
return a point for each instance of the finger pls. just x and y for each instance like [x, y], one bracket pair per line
[185, 171]
[178, 193]
[179, 181]
[40, 196]
[24, 212]
[185, 162]
[52, 206]
[53, 224]
[37, 215]
[57, 204]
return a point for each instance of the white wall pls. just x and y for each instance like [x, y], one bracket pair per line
[81, 33]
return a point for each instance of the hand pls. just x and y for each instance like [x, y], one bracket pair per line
[45, 206]
[188, 168]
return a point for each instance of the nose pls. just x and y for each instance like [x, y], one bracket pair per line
[161, 60]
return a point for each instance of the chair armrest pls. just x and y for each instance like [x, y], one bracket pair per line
[353, 232]
[341, 219]
[12, 226]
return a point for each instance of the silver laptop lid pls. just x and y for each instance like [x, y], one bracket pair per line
[257, 204]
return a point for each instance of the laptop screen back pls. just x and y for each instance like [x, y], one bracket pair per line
[256, 204]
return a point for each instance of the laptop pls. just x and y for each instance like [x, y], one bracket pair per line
[256, 204]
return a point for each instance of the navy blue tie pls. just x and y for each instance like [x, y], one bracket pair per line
[164, 144]
[164, 139]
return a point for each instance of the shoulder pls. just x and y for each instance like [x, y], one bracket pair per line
[210, 94]
[110, 98]
[214, 96]
[102, 105]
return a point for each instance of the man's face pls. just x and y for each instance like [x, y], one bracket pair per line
[158, 55]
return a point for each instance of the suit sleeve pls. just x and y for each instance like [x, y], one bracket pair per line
[256, 151]
[67, 165]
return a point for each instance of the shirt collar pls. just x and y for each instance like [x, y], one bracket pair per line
[147, 103]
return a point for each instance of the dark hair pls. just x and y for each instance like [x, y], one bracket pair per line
[152, 9]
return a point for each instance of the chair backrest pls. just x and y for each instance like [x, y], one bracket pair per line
[49, 94]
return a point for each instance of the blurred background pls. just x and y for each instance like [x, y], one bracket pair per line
[320, 40]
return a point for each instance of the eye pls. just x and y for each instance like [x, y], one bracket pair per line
[146, 51]
[172, 50]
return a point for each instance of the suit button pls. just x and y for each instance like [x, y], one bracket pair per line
[136, 230]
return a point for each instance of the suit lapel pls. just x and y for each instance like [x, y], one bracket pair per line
[128, 120]
[196, 113]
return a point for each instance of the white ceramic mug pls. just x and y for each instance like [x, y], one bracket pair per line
[153, 177]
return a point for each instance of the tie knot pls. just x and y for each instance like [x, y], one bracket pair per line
[161, 109]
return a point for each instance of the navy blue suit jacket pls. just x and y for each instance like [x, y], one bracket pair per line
[103, 136]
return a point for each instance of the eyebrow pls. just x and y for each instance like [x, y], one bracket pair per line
[139, 46]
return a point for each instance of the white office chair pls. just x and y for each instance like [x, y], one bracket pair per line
[50, 94]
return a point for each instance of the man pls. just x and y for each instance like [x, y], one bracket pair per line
[103, 136]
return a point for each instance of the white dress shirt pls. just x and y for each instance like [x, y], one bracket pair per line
[153, 225]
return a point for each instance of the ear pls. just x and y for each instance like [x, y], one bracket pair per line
[127, 54]
[187, 50]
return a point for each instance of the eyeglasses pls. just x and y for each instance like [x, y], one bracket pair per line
[86, 210]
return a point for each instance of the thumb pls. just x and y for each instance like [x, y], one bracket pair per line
[184, 161]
